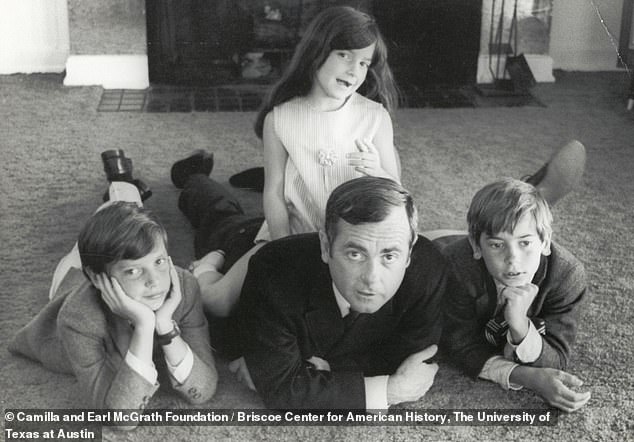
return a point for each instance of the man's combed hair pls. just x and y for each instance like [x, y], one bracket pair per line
[498, 207]
[119, 231]
[368, 200]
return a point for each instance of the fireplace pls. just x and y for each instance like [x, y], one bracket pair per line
[214, 42]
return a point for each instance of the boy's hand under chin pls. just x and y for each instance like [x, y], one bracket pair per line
[119, 302]
[518, 301]
[166, 311]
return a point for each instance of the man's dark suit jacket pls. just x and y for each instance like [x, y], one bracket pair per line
[288, 313]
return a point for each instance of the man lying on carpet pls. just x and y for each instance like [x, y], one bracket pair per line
[341, 319]
[103, 324]
[514, 319]
[346, 318]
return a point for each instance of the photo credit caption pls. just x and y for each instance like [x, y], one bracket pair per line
[62, 425]
[76, 421]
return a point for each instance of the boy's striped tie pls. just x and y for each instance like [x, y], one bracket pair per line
[496, 329]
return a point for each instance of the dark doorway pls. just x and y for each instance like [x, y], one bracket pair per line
[220, 42]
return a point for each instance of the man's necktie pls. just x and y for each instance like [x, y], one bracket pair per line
[349, 319]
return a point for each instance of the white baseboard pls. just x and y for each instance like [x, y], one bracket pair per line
[541, 67]
[37, 60]
[108, 71]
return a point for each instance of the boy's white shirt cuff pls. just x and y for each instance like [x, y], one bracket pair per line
[376, 393]
[498, 370]
[528, 350]
[147, 372]
[181, 371]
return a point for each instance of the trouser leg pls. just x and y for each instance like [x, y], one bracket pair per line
[204, 201]
[218, 218]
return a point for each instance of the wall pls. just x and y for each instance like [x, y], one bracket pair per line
[33, 36]
[108, 44]
[578, 39]
[107, 26]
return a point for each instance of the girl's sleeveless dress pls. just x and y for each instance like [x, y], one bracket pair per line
[317, 143]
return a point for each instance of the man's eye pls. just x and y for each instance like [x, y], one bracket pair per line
[354, 255]
[390, 257]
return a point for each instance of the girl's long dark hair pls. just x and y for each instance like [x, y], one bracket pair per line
[340, 27]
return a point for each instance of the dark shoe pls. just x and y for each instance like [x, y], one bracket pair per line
[562, 173]
[119, 168]
[144, 189]
[116, 165]
[249, 179]
[200, 161]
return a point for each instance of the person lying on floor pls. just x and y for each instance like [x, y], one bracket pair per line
[126, 310]
[514, 319]
[346, 318]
